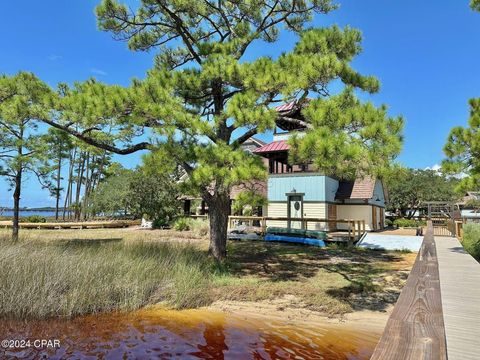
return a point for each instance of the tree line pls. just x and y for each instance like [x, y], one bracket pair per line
[77, 175]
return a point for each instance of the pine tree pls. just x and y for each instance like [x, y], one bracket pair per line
[21, 148]
[463, 150]
[475, 4]
[205, 96]
[59, 144]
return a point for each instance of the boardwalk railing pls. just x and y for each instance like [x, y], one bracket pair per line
[354, 228]
[415, 329]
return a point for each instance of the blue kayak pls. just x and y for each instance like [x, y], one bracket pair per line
[295, 239]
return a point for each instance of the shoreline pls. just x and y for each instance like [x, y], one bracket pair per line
[279, 311]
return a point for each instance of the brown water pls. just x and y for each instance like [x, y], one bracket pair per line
[192, 334]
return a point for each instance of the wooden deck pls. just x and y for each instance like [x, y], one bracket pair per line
[437, 315]
[460, 288]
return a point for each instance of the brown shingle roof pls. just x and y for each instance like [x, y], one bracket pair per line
[358, 189]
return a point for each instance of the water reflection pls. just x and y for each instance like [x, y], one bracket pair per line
[192, 334]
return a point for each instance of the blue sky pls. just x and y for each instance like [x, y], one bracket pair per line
[425, 54]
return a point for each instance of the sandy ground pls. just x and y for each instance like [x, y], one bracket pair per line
[279, 310]
[400, 231]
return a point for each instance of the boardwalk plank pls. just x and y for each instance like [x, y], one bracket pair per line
[460, 286]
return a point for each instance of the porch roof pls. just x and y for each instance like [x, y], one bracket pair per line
[276, 146]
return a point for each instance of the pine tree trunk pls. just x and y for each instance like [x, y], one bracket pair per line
[16, 203]
[218, 210]
[18, 189]
[79, 186]
[83, 213]
[69, 182]
[57, 190]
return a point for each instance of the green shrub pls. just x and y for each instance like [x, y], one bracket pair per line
[34, 219]
[159, 223]
[388, 222]
[471, 239]
[182, 224]
[198, 226]
[409, 223]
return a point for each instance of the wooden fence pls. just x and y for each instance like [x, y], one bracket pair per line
[355, 228]
[415, 329]
[443, 226]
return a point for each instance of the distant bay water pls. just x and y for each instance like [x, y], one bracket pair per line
[23, 213]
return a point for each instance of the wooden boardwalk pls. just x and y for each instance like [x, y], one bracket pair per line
[113, 224]
[460, 288]
[437, 315]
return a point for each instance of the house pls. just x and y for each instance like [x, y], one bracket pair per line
[298, 191]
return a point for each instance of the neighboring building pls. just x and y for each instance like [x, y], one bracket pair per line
[468, 206]
[469, 198]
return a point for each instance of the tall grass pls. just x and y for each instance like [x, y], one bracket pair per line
[471, 239]
[199, 227]
[69, 278]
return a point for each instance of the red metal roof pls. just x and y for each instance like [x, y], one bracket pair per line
[275, 146]
[290, 105]
[286, 107]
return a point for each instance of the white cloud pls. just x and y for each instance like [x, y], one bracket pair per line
[54, 57]
[98, 72]
[436, 167]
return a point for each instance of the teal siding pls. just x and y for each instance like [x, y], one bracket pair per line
[378, 194]
[331, 187]
[315, 187]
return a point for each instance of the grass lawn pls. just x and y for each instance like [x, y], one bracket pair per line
[70, 272]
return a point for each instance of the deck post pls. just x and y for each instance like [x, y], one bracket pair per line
[349, 232]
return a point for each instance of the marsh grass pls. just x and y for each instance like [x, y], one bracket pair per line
[73, 277]
[66, 273]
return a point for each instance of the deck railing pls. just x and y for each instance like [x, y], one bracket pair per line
[415, 329]
[355, 228]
